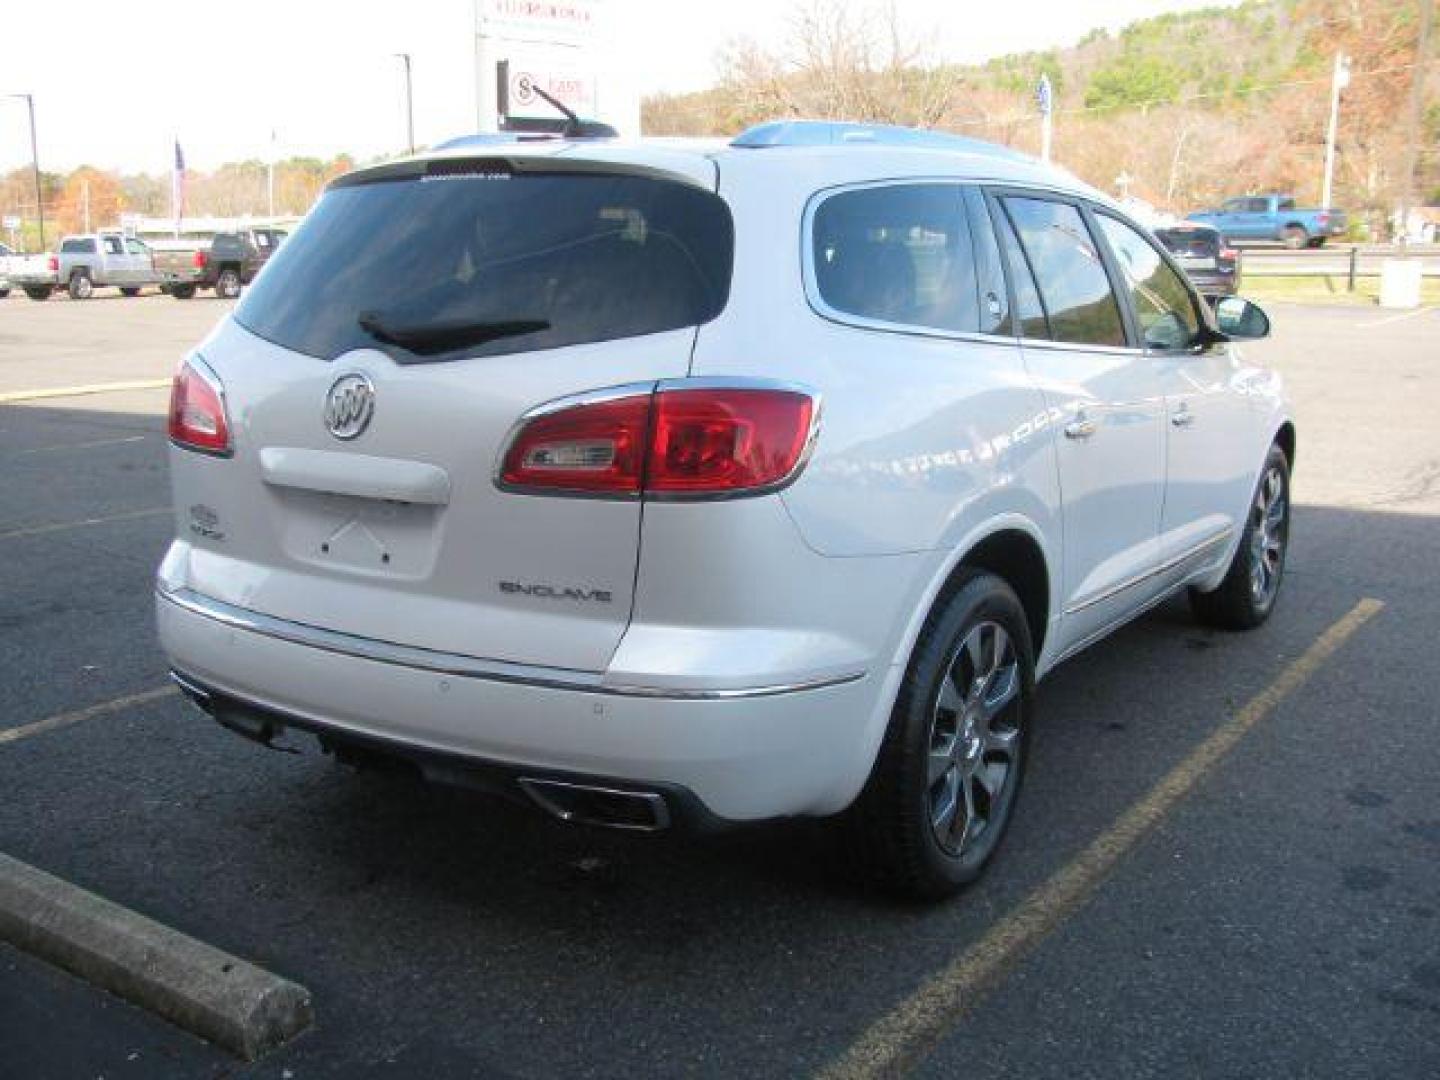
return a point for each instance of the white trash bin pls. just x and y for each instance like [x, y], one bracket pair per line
[1400, 283]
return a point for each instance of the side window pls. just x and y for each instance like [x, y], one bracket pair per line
[1162, 302]
[134, 247]
[1236, 206]
[1285, 204]
[1258, 206]
[112, 245]
[1068, 269]
[990, 275]
[897, 254]
[1029, 311]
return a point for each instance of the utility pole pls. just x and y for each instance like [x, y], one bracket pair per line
[270, 178]
[35, 165]
[1417, 98]
[85, 202]
[1338, 82]
[409, 102]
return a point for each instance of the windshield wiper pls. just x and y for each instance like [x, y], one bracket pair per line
[428, 339]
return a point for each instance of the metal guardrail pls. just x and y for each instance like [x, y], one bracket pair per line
[1348, 261]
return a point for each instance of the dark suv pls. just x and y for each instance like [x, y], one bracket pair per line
[1204, 255]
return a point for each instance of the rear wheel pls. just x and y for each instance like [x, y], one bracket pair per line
[1247, 595]
[81, 287]
[227, 285]
[39, 292]
[182, 292]
[4, 293]
[129, 290]
[1295, 237]
[944, 784]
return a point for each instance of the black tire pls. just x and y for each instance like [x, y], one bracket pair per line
[1317, 242]
[130, 290]
[81, 287]
[1247, 595]
[895, 827]
[4, 293]
[39, 292]
[1294, 237]
[227, 285]
[182, 292]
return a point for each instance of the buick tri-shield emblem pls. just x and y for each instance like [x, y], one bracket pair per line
[349, 405]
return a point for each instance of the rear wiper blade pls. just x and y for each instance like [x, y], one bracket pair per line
[428, 339]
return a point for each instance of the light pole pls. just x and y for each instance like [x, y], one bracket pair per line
[1339, 82]
[409, 101]
[35, 164]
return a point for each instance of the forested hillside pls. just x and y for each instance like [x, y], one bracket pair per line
[1181, 109]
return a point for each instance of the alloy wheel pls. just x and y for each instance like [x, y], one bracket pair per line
[1269, 528]
[974, 746]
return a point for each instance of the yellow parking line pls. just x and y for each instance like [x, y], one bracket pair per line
[94, 444]
[908, 1032]
[62, 526]
[50, 723]
[1397, 318]
[76, 391]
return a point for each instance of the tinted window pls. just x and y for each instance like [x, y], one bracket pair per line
[1258, 206]
[1069, 272]
[1200, 242]
[134, 247]
[1162, 302]
[898, 254]
[112, 245]
[1285, 204]
[1028, 309]
[596, 257]
[1236, 206]
[78, 247]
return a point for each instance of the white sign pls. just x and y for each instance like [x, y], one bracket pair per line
[11, 222]
[574, 87]
[560, 22]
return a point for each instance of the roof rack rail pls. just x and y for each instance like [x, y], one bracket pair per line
[845, 133]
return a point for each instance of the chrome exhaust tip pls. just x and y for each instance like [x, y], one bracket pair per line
[610, 808]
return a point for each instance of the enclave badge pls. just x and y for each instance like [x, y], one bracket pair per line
[349, 405]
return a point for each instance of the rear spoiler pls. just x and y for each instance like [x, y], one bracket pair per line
[544, 158]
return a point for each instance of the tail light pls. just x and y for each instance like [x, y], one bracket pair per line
[54, 264]
[197, 410]
[1229, 254]
[1324, 217]
[200, 259]
[698, 440]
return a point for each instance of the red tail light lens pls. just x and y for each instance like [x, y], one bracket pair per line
[54, 264]
[1228, 254]
[676, 442]
[720, 441]
[197, 411]
[201, 258]
[595, 446]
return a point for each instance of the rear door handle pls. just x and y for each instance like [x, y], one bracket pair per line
[1082, 427]
[1182, 417]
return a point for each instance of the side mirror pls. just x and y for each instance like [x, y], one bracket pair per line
[1238, 318]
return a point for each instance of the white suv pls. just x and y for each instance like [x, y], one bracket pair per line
[689, 484]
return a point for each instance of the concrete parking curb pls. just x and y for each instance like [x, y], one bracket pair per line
[219, 997]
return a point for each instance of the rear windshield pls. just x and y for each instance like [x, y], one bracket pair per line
[1189, 241]
[78, 247]
[541, 260]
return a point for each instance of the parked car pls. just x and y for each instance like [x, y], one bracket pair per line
[225, 262]
[88, 262]
[7, 260]
[1274, 217]
[595, 495]
[1206, 257]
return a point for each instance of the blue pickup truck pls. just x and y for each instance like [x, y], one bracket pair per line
[1273, 217]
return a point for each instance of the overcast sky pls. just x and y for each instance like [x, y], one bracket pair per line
[115, 83]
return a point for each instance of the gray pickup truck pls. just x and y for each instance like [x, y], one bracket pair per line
[85, 263]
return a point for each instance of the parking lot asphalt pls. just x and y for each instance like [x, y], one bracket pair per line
[1282, 919]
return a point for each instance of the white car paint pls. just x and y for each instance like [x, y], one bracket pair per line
[753, 647]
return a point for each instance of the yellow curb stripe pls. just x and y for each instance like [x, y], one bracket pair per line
[907, 1033]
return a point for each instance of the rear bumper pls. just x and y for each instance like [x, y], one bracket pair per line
[736, 755]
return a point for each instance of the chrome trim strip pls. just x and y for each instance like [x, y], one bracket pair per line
[469, 667]
[1156, 571]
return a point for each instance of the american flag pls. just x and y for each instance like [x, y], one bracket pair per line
[177, 186]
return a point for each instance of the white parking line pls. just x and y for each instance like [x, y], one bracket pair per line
[12, 396]
[1397, 318]
[50, 723]
[62, 526]
[81, 445]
